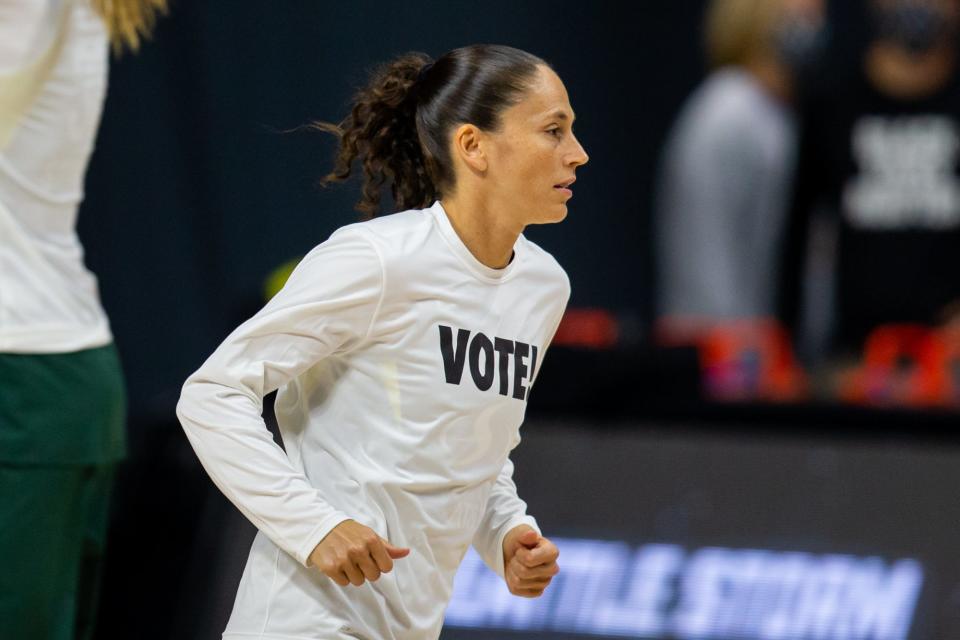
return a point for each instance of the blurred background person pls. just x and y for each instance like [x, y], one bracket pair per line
[62, 399]
[722, 197]
[878, 189]
[726, 170]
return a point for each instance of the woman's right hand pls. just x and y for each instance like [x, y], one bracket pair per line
[352, 553]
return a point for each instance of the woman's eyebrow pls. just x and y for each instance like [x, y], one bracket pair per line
[560, 114]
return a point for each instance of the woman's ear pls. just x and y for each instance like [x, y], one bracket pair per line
[468, 146]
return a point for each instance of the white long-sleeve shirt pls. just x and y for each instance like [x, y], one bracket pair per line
[403, 365]
[53, 78]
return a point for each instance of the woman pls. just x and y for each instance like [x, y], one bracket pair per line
[727, 166]
[62, 399]
[404, 349]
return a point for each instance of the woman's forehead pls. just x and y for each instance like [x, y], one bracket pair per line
[546, 97]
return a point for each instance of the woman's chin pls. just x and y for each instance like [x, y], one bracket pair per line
[549, 214]
[560, 213]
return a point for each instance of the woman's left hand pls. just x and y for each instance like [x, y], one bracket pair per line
[529, 561]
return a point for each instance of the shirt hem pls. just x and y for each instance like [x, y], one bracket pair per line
[53, 339]
[272, 636]
[317, 535]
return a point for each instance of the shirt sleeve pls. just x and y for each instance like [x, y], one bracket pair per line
[25, 27]
[327, 307]
[504, 511]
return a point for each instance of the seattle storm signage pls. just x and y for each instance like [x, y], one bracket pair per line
[660, 591]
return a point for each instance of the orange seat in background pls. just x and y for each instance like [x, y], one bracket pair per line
[908, 365]
[587, 328]
[750, 360]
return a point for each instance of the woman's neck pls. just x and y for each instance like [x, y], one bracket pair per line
[773, 76]
[488, 236]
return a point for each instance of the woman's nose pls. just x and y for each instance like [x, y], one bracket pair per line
[579, 155]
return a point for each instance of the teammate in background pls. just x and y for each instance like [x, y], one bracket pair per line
[727, 167]
[404, 349]
[61, 392]
[880, 166]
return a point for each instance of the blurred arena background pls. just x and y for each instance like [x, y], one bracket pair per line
[725, 486]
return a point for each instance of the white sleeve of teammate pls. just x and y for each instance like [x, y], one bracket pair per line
[327, 307]
[25, 28]
[505, 510]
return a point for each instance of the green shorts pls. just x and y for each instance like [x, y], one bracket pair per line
[62, 408]
[61, 434]
[53, 526]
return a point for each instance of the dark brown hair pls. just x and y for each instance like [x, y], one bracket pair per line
[400, 123]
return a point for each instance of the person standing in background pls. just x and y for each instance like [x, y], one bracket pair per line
[726, 170]
[879, 166]
[62, 403]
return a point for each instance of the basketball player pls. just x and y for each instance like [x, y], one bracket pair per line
[61, 391]
[404, 348]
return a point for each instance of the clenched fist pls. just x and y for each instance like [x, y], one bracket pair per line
[529, 561]
[352, 553]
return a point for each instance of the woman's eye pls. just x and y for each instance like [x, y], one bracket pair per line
[554, 132]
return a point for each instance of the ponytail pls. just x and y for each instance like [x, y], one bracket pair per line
[400, 123]
[381, 130]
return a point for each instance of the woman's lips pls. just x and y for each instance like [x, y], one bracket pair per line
[565, 186]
